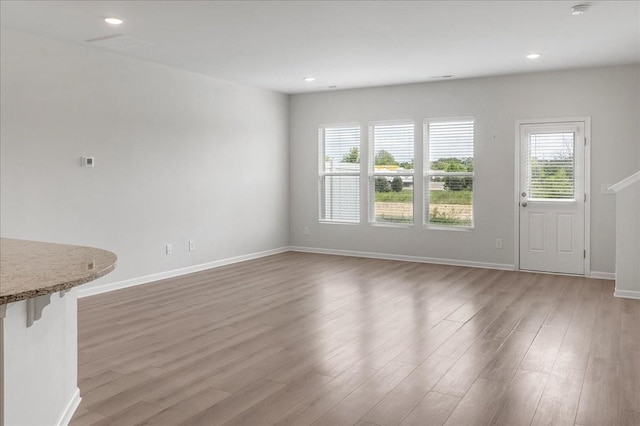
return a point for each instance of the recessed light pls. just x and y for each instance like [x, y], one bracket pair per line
[533, 55]
[309, 79]
[113, 21]
[579, 9]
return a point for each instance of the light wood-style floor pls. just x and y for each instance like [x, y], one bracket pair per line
[299, 339]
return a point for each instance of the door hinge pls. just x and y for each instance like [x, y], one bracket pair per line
[585, 197]
[584, 254]
[585, 141]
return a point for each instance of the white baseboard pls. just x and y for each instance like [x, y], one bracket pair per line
[386, 256]
[602, 275]
[107, 287]
[70, 409]
[627, 294]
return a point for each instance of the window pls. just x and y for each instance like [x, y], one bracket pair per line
[391, 173]
[550, 166]
[448, 174]
[339, 173]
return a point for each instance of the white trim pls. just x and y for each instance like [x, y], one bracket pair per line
[107, 287]
[439, 173]
[587, 186]
[404, 258]
[70, 409]
[602, 275]
[587, 191]
[392, 224]
[337, 222]
[627, 294]
[454, 119]
[625, 182]
[516, 197]
[449, 228]
[3, 313]
[389, 173]
[340, 174]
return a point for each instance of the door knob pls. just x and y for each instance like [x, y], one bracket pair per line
[524, 204]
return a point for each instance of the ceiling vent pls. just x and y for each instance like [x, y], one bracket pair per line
[118, 42]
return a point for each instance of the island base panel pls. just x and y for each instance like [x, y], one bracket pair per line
[40, 363]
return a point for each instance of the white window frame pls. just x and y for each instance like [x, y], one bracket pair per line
[373, 174]
[427, 175]
[323, 174]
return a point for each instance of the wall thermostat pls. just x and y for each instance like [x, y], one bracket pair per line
[88, 161]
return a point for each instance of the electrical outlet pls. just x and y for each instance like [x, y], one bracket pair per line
[306, 230]
[169, 249]
[192, 245]
[498, 243]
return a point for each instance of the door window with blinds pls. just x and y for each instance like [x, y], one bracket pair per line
[550, 166]
[391, 172]
[339, 173]
[448, 172]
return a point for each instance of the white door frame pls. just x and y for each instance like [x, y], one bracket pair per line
[587, 186]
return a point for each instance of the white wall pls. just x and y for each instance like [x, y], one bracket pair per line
[179, 156]
[609, 95]
[182, 156]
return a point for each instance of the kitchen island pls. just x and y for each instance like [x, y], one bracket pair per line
[38, 328]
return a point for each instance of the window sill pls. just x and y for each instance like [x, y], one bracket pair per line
[336, 222]
[391, 225]
[450, 228]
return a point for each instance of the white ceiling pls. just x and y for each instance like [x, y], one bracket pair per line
[348, 44]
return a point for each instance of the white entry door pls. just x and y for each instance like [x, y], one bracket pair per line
[552, 197]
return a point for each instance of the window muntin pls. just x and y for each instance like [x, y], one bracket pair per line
[449, 173]
[391, 172]
[339, 173]
[551, 166]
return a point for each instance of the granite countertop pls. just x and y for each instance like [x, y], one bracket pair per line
[32, 268]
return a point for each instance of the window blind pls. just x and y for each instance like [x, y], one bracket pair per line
[391, 177]
[452, 139]
[551, 166]
[339, 174]
[393, 147]
[449, 172]
[339, 146]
